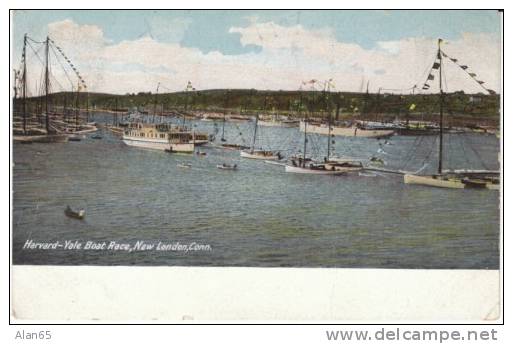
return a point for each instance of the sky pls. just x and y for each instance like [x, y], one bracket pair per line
[134, 51]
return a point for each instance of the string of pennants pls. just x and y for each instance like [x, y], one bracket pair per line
[465, 68]
[431, 75]
[59, 49]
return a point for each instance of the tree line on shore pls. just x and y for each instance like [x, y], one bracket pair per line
[292, 103]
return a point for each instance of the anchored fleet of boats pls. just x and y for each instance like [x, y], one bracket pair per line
[47, 126]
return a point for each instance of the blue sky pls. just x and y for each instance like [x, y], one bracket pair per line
[210, 31]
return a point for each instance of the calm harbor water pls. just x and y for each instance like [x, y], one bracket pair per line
[258, 215]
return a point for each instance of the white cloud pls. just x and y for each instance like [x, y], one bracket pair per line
[289, 55]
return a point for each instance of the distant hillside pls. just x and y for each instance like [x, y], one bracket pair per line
[288, 102]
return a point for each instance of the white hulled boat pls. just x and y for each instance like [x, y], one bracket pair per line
[259, 154]
[329, 166]
[159, 136]
[355, 131]
[458, 179]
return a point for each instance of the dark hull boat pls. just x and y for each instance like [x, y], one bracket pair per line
[79, 215]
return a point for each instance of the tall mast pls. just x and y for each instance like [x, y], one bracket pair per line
[254, 135]
[87, 105]
[77, 109]
[305, 119]
[224, 114]
[440, 151]
[329, 122]
[115, 117]
[24, 84]
[65, 107]
[15, 86]
[154, 103]
[186, 103]
[47, 83]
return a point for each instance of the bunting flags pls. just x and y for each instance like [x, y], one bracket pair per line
[472, 75]
[431, 77]
[436, 65]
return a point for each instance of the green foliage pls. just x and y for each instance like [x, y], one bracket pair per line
[288, 102]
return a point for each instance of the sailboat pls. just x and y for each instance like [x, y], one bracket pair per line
[456, 179]
[308, 166]
[28, 132]
[259, 153]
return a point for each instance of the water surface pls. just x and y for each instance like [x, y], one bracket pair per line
[258, 215]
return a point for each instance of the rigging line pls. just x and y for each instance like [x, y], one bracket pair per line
[419, 144]
[429, 68]
[81, 80]
[62, 66]
[478, 155]
[57, 81]
[33, 40]
[467, 160]
[398, 89]
[409, 153]
[35, 53]
[466, 71]
[444, 78]
[430, 152]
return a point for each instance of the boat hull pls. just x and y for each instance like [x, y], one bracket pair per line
[199, 142]
[249, 155]
[57, 138]
[159, 145]
[433, 181]
[342, 131]
[304, 170]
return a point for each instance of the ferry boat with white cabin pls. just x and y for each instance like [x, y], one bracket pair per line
[163, 136]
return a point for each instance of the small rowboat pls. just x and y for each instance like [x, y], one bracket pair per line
[96, 137]
[184, 165]
[73, 214]
[227, 167]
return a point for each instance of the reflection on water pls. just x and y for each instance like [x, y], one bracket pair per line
[258, 215]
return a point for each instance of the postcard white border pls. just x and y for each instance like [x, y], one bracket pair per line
[91, 294]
